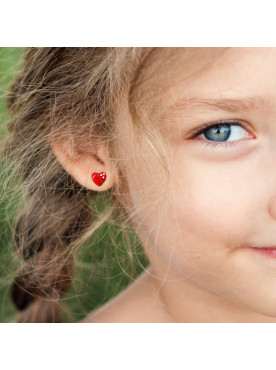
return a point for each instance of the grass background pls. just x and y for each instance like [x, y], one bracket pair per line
[103, 265]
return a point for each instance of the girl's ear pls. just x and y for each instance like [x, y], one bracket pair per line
[81, 165]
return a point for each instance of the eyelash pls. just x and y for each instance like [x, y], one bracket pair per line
[216, 144]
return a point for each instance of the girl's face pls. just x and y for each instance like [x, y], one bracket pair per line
[221, 201]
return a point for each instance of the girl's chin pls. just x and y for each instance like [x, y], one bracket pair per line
[266, 311]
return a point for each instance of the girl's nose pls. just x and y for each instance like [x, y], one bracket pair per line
[272, 207]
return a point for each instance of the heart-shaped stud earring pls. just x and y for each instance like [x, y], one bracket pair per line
[99, 178]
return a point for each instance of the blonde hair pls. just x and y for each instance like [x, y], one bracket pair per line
[61, 93]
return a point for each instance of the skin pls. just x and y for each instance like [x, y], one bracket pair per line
[197, 231]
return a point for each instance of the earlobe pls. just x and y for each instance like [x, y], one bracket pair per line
[94, 172]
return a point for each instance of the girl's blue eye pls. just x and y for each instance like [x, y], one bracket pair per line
[222, 135]
[220, 132]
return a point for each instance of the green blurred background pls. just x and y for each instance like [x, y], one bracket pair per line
[103, 264]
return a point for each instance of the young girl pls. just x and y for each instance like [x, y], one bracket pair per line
[183, 142]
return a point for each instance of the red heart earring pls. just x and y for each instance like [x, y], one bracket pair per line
[99, 178]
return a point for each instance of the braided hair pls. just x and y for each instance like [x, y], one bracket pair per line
[58, 92]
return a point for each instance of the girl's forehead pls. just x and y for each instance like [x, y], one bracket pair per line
[197, 65]
[179, 83]
[182, 73]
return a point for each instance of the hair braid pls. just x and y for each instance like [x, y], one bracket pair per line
[59, 93]
[47, 269]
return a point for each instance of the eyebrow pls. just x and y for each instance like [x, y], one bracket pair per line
[256, 103]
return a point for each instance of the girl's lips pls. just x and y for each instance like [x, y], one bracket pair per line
[269, 251]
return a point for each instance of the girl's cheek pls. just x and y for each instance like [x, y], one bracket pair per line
[206, 209]
[213, 205]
